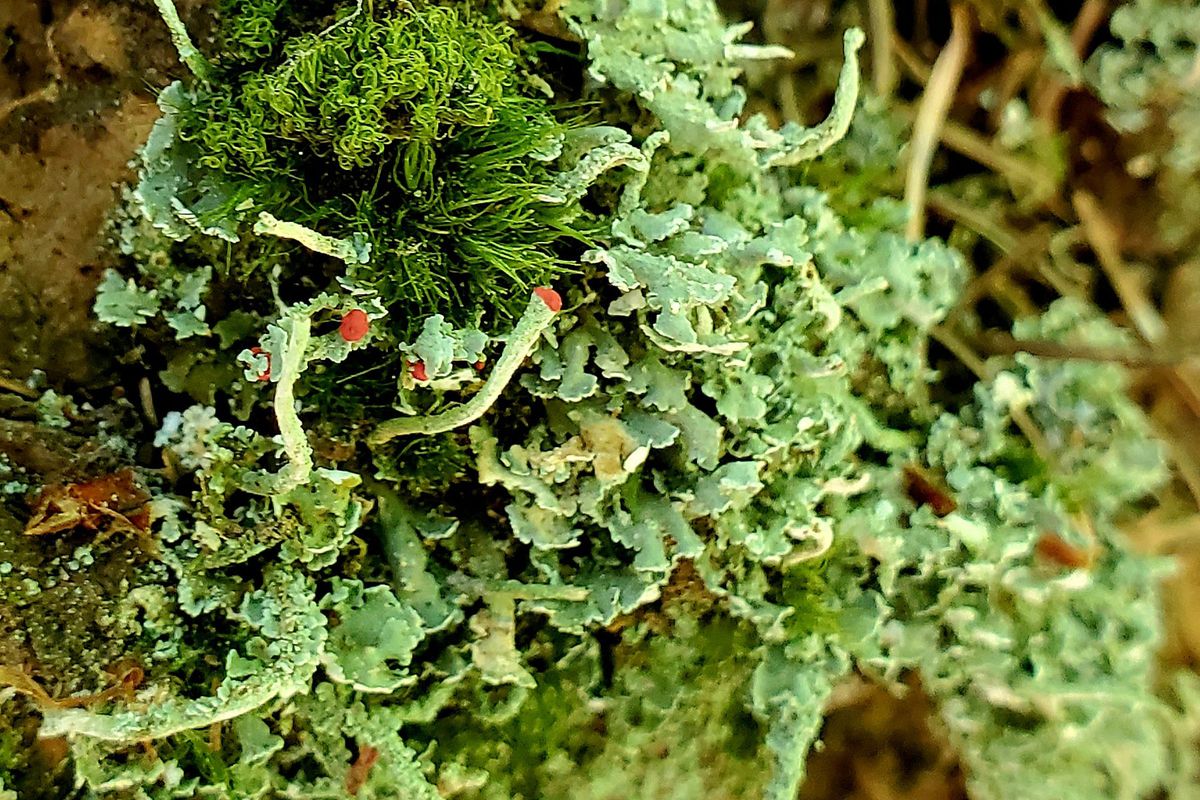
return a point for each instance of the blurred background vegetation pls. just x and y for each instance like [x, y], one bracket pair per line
[1055, 143]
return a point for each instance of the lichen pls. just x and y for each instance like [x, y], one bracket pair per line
[609, 478]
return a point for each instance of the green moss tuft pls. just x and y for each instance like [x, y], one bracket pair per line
[411, 127]
[356, 89]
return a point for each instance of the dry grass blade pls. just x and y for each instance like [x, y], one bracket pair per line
[931, 116]
[883, 64]
[1102, 235]
[999, 343]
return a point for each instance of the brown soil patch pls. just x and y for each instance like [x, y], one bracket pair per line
[76, 100]
[55, 200]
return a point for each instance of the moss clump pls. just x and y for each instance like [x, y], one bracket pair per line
[358, 88]
[411, 127]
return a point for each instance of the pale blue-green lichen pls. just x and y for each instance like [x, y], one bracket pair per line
[675, 509]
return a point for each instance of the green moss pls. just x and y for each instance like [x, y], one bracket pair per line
[359, 87]
[410, 127]
[251, 28]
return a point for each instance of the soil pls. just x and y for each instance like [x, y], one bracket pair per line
[77, 83]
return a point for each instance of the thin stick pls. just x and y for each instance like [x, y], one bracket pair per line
[1152, 535]
[978, 148]
[48, 93]
[1048, 96]
[1101, 235]
[1089, 19]
[1189, 470]
[975, 218]
[1019, 67]
[1016, 249]
[910, 60]
[934, 107]
[1184, 380]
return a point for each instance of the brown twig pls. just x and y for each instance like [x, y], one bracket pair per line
[16, 387]
[1019, 67]
[1153, 535]
[1102, 235]
[1021, 254]
[1186, 466]
[547, 22]
[910, 60]
[1022, 174]
[1185, 380]
[1182, 382]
